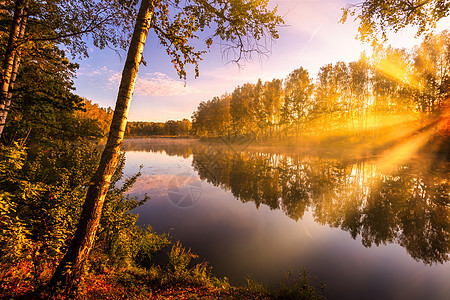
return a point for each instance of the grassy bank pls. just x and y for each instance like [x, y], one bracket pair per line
[181, 277]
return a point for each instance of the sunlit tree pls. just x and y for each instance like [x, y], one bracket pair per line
[297, 100]
[392, 81]
[242, 110]
[432, 72]
[357, 104]
[272, 102]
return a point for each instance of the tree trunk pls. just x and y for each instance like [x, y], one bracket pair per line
[71, 266]
[11, 60]
[16, 63]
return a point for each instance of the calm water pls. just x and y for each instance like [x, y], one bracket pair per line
[368, 231]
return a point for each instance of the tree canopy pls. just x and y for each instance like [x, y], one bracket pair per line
[378, 16]
[240, 25]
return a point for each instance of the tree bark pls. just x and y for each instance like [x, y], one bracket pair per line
[11, 60]
[17, 56]
[71, 266]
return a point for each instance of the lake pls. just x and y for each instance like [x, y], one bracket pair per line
[366, 228]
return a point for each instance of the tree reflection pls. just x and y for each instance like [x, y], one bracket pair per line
[170, 146]
[409, 205]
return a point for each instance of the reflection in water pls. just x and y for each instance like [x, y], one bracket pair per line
[170, 146]
[409, 206]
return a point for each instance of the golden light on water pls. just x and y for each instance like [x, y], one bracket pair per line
[415, 139]
[404, 151]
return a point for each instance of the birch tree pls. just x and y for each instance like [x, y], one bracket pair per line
[240, 24]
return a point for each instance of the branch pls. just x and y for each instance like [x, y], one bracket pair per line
[90, 28]
[218, 13]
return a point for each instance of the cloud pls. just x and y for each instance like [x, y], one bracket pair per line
[147, 84]
[155, 84]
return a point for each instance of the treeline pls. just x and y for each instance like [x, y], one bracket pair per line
[97, 116]
[345, 98]
[168, 128]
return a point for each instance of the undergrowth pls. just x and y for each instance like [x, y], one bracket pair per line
[41, 194]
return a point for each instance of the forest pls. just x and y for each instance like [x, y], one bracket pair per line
[66, 230]
[169, 128]
[357, 100]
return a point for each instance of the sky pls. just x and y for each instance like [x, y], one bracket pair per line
[312, 37]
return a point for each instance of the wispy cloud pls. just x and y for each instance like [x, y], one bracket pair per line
[156, 84]
[147, 84]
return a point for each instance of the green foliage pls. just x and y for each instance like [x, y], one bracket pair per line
[179, 270]
[301, 287]
[11, 161]
[41, 198]
[168, 128]
[14, 235]
[68, 22]
[179, 259]
[43, 106]
[95, 118]
[149, 244]
[240, 24]
[377, 16]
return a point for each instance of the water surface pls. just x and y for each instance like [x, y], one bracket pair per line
[368, 231]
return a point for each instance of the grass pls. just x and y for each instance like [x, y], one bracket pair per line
[182, 278]
[179, 278]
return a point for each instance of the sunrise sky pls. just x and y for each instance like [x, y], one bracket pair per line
[311, 38]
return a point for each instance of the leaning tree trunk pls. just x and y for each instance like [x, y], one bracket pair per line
[70, 268]
[11, 59]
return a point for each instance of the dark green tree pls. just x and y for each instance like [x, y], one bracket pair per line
[34, 23]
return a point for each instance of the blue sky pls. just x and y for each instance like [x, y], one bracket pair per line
[312, 38]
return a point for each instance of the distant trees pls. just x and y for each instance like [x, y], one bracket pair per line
[168, 128]
[297, 104]
[431, 65]
[213, 118]
[242, 110]
[346, 98]
[93, 113]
